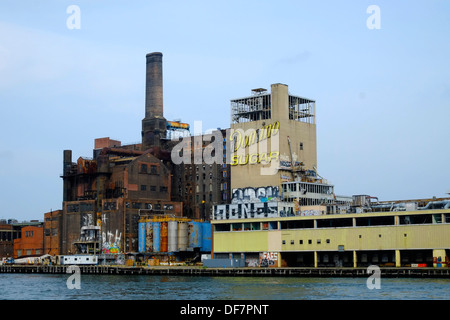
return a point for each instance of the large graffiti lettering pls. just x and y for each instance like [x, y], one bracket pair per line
[246, 210]
[87, 219]
[250, 195]
[111, 242]
[268, 259]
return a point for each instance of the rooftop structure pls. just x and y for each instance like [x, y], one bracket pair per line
[258, 106]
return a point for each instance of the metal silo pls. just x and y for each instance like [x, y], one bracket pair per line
[149, 237]
[163, 236]
[156, 236]
[183, 236]
[141, 237]
[172, 236]
[206, 237]
[195, 234]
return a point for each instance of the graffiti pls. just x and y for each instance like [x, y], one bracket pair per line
[250, 195]
[310, 212]
[246, 210]
[120, 259]
[87, 219]
[111, 249]
[111, 242]
[268, 259]
[168, 207]
[149, 206]
[287, 164]
[252, 262]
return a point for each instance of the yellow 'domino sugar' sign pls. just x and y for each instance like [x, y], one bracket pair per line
[241, 140]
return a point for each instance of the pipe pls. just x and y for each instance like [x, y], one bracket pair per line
[444, 204]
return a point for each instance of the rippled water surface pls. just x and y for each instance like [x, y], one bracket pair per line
[150, 287]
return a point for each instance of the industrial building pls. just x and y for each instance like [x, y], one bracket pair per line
[258, 198]
[30, 238]
[105, 197]
[284, 214]
[9, 231]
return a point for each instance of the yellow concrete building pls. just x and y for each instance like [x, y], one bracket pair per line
[284, 214]
[394, 238]
[271, 133]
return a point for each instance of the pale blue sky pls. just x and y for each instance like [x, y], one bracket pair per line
[382, 96]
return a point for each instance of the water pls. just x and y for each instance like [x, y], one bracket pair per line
[151, 287]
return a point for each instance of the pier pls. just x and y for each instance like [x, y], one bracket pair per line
[233, 272]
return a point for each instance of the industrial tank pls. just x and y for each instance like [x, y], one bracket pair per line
[206, 237]
[141, 236]
[149, 237]
[163, 236]
[156, 236]
[195, 234]
[172, 236]
[183, 235]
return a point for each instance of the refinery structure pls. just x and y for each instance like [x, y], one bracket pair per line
[284, 214]
[261, 201]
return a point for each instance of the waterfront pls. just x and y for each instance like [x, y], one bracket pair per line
[168, 287]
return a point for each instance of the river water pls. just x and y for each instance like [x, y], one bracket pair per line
[151, 287]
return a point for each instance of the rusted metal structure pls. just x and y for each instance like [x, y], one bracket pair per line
[120, 183]
[109, 192]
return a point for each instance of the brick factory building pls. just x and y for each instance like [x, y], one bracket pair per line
[31, 242]
[52, 228]
[105, 196]
[8, 232]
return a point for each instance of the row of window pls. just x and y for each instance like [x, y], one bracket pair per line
[328, 241]
[223, 186]
[52, 231]
[28, 252]
[153, 188]
[307, 187]
[145, 169]
[319, 241]
[338, 222]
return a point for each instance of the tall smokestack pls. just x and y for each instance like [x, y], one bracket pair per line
[154, 125]
[154, 86]
[67, 164]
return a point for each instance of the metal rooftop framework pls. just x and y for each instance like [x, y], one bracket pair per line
[253, 108]
[302, 109]
[259, 107]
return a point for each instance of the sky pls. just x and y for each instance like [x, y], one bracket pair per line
[380, 79]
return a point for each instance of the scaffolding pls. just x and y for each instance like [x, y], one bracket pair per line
[302, 109]
[259, 107]
[253, 108]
